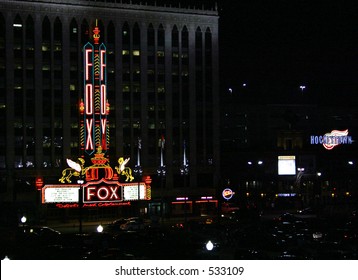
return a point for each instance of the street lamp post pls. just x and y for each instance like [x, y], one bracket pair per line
[23, 220]
[138, 172]
[78, 168]
[184, 170]
[161, 171]
[80, 202]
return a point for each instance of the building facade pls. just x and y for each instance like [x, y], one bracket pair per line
[162, 83]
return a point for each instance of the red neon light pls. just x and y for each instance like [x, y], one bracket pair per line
[67, 205]
[89, 141]
[337, 133]
[103, 193]
[88, 63]
[39, 183]
[96, 35]
[103, 65]
[89, 205]
[82, 107]
[182, 202]
[89, 99]
[107, 108]
[96, 106]
[103, 126]
[103, 99]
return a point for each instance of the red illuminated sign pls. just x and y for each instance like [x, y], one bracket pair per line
[95, 109]
[96, 185]
[108, 191]
[227, 193]
[39, 183]
[101, 193]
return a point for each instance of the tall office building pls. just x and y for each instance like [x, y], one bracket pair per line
[162, 83]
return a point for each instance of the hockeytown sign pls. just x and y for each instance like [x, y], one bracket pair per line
[332, 139]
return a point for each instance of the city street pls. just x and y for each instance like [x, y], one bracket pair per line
[269, 236]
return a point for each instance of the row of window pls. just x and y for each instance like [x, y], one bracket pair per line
[28, 27]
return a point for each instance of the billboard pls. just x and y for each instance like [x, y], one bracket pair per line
[286, 165]
[60, 194]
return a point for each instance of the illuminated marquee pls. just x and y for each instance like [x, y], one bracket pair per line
[103, 185]
[332, 139]
[60, 193]
[94, 107]
[96, 193]
[102, 191]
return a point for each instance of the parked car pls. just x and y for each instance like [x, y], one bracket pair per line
[115, 225]
[134, 224]
[30, 242]
[307, 212]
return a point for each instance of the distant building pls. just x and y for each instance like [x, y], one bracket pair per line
[256, 130]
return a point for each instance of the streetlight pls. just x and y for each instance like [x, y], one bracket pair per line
[137, 171]
[100, 229]
[80, 202]
[78, 168]
[209, 246]
[161, 171]
[184, 170]
[23, 220]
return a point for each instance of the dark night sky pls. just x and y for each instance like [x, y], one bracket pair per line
[280, 45]
[277, 45]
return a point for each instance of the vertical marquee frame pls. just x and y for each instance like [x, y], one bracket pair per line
[94, 106]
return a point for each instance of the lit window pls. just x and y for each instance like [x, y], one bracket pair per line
[161, 89]
[136, 53]
[160, 53]
[72, 87]
[125, 52]
[17, 25]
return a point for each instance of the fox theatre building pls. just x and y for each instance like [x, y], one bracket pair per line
[90, 182]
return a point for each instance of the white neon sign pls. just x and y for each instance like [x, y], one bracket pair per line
[332, 139]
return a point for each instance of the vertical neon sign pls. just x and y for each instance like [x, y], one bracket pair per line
[95, 108]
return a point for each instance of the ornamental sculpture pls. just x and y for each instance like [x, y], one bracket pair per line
[100, 168]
